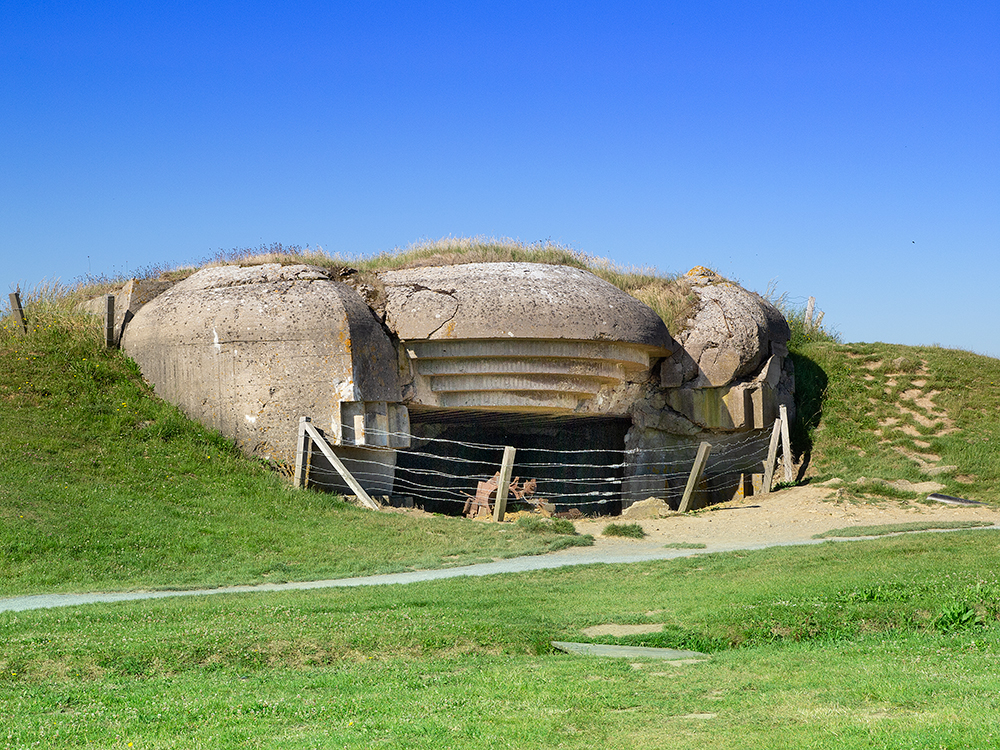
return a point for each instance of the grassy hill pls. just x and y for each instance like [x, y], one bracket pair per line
[888, 643]
[884, 411]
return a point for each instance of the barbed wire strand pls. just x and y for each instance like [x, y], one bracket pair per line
[610, 481]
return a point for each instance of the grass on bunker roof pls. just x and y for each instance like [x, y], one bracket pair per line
[668, 294]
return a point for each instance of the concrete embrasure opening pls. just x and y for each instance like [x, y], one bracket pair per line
[575, 461]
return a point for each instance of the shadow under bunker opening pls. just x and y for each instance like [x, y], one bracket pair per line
[576, 461]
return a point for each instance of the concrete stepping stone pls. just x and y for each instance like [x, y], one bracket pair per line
[626, 652]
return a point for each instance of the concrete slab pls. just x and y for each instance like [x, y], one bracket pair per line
[626, 652]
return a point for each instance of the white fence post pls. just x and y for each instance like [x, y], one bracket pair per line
[786, 445]
[772, 456]
[303, 455]
[317, 439]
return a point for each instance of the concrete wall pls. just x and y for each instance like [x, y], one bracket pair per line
[247, 351]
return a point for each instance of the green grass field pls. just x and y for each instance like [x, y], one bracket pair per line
[888, 643]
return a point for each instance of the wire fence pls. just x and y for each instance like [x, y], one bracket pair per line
[443, 475]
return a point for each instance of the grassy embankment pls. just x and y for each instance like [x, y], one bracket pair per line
[888, 643]
[893, 412]
[105, 487]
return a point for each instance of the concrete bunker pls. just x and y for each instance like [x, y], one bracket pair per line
[550, 359]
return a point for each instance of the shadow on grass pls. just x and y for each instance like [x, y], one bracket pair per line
[810, 389]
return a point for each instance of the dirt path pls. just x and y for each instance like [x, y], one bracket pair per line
[790, 516]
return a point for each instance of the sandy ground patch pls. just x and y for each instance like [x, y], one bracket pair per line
[789, 516]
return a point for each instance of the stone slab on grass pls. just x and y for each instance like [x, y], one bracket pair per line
[626, 652]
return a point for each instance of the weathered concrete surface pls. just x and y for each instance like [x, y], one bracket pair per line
[247, 351]
[522, 336]
[597, 377]
[250, 350]
[516, 300]
[731, 335]
[739, 406]
[133, 295]
[732, 372]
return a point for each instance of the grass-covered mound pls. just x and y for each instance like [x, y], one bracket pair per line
[890, 412]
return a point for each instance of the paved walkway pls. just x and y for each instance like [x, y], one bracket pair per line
[605, 551]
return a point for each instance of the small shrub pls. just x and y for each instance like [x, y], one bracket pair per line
[630, 530]
[563, 526]
[536, 525]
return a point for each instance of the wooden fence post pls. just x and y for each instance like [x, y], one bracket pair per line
[772, 456]
[696, 471]
[332, 457]
[810, 307]
[506, 468]
[17, 311]
[786, 445]
[109, 322]
[303, 455]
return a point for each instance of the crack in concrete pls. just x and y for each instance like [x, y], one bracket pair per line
[725, 319]
[413, 287]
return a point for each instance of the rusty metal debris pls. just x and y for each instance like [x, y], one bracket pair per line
[480, 503]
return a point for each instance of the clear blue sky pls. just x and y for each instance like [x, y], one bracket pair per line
[845, 150]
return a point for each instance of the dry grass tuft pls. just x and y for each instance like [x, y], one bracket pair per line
[669, 295]
[454, 250]
[51, 305]
[673, 301]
